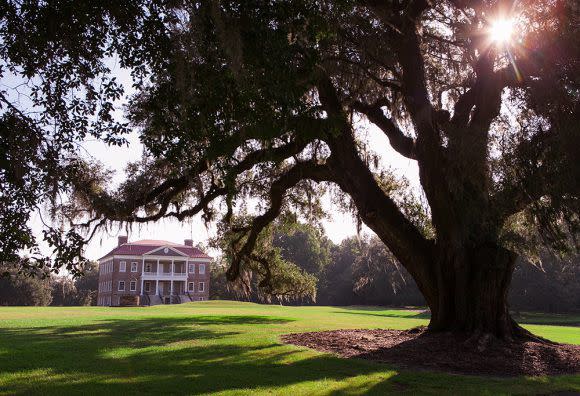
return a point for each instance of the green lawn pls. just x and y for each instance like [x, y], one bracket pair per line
[226, 348]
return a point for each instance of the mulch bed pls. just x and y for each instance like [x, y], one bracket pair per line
[446, 352]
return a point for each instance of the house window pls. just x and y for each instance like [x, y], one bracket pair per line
[122, 266]
[147, 267]
[191, 268]
[147, 287]
[133, 286]
[190, 286]
[134, 266]
[201, 287]
[202, 269]
[121, 285]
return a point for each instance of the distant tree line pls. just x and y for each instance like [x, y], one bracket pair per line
[361, 271]
[43, 289]
[358, 271]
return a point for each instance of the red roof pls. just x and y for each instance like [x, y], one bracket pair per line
[138, 248]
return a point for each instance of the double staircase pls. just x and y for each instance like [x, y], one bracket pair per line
[156, 299]
[185, 298]
[153, 300]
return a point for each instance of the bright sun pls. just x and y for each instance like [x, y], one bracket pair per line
[501, 30]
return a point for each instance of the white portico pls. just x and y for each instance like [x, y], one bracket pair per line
[166, 269]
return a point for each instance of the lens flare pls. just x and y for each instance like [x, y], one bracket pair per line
[501, 30]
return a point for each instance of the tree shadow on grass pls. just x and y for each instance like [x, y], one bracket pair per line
[549, 319]
[538, 318]
[140, 332]
[186, 355]
[400, 313]
[191, 355]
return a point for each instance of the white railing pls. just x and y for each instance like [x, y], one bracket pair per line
[164, 276]
[163, 272]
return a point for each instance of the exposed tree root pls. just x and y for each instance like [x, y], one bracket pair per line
[482, 340]
[525, 335]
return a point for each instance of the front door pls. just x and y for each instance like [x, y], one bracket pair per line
[147, 287]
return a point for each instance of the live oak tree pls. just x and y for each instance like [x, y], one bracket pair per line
[243, 104]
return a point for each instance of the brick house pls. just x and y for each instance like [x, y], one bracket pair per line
[151, 272]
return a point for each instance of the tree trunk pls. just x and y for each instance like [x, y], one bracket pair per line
[462, 275]
[472, 286]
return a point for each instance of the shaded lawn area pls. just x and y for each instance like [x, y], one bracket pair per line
[222, 347]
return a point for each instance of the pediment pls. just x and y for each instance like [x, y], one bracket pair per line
[165, 251]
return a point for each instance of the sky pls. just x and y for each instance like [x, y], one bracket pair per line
[338, 227]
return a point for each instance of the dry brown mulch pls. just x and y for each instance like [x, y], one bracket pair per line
[446, 352]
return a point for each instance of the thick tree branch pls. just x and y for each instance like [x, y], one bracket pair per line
[378, 211]
[484, 95]
[300, 171]
[404, 145]
[316, 128]
[167, 191]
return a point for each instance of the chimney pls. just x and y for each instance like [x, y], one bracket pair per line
[122, 240]
[188, 242]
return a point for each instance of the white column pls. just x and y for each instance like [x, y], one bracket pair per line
[143, 266]
[172, 268]
[171, 288]
[142, 286]
[156, 287]
[158, 267]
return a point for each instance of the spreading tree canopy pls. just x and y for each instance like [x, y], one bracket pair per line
[248, 110]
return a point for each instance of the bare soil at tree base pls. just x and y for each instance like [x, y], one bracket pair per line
[448, 352]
